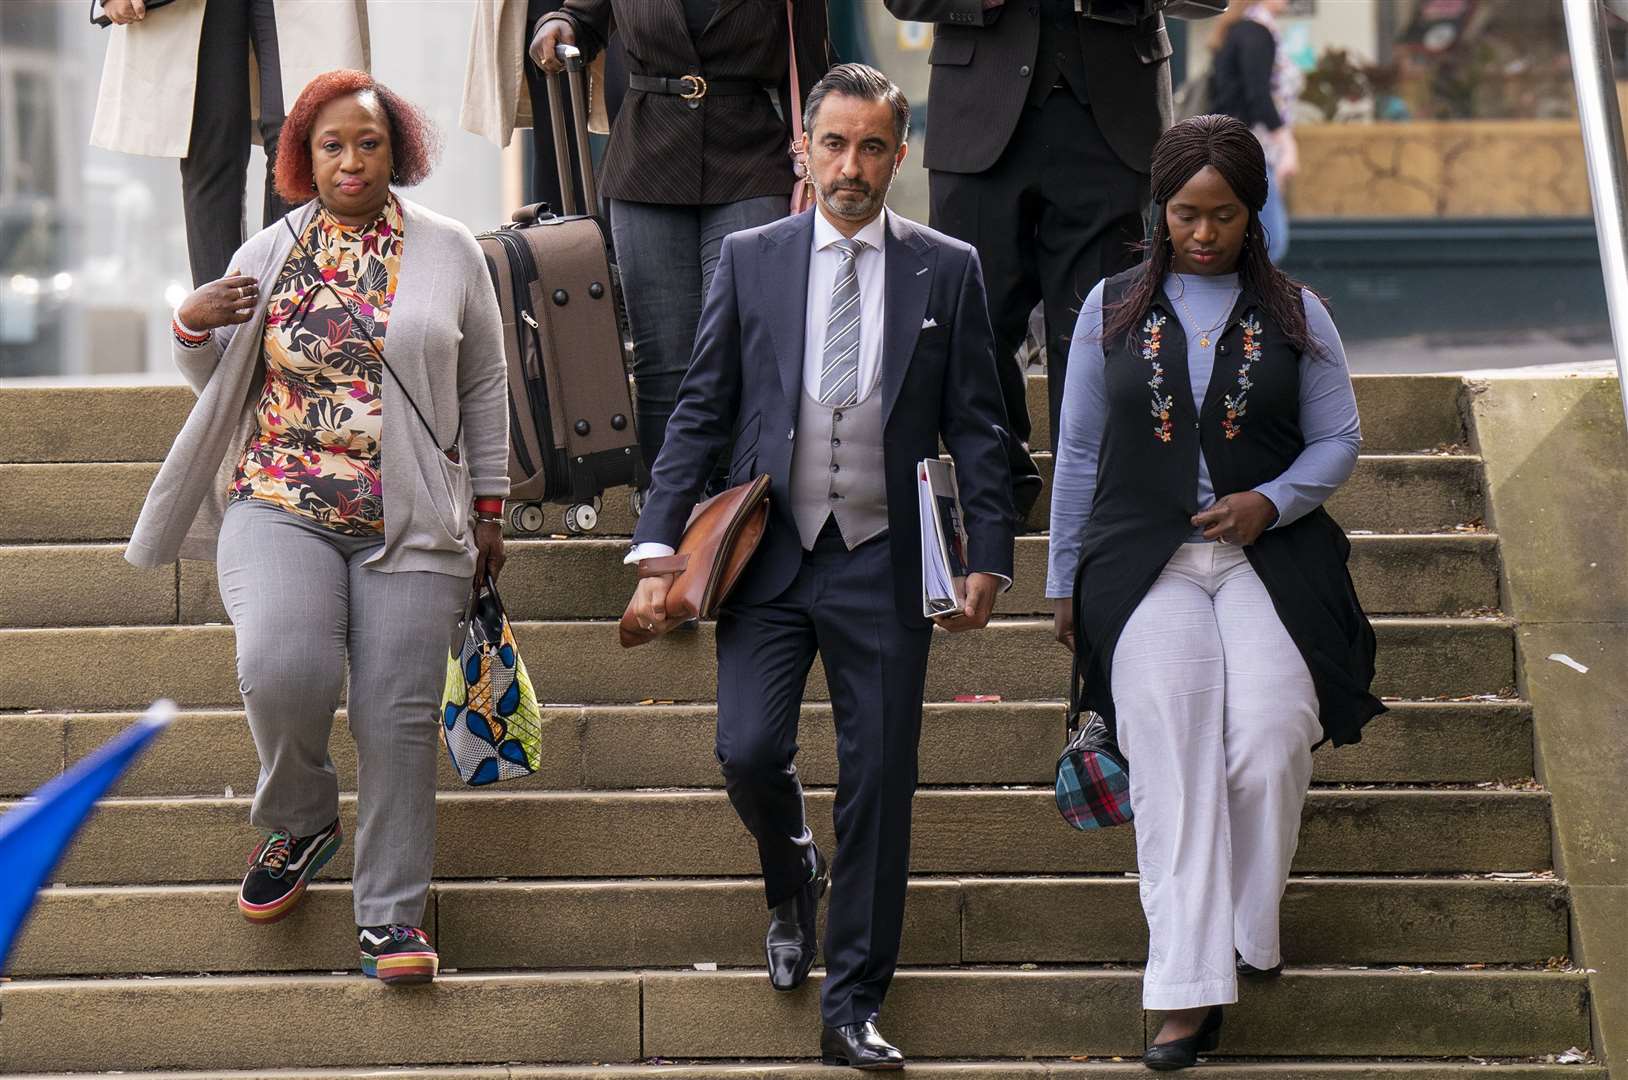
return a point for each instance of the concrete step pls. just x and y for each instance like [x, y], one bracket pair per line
[98, 501]
[581, 663]
[547, 834]
[72, 502]
[1399, 413]
[1084, 1010]
[1387, 493]
[45, 585]
[91, 423]
[611, 748]
[179, 1023]
[610, 924]
[988, 1069]
[1410, 493]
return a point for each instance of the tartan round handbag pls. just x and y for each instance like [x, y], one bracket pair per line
[1093, 781]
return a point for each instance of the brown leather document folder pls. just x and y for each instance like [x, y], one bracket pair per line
[718, 542]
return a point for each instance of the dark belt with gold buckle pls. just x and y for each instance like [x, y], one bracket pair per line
[692, 87]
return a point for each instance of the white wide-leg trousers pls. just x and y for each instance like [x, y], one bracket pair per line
[1217, 716]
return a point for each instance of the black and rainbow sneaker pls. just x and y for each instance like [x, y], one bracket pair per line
[397, 953]
[280, 869]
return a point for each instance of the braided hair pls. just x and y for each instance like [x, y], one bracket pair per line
[1233, 151]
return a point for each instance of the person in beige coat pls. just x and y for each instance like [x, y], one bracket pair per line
[504, 90]
[197, 79]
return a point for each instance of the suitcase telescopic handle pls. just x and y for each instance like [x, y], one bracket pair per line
[571, 57]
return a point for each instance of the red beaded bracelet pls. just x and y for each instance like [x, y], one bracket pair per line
[190, 336]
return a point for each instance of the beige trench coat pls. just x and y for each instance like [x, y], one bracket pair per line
[495, 97]
[149, 78]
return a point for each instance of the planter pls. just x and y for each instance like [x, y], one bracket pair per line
[1441, 169]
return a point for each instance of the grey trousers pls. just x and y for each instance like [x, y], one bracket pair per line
[301, 602]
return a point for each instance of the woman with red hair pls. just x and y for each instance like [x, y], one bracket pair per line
[345, 467]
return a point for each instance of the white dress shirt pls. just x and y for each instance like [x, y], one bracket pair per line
[823, 261]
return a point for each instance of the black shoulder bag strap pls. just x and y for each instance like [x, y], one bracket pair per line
[450, 451]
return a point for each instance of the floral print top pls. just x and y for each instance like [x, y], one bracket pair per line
[315, 447]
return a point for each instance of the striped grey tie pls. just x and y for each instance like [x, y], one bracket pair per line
[839, 372]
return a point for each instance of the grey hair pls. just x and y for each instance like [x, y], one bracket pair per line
[866, 83]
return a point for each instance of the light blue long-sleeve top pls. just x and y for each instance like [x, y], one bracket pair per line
[1328, 417]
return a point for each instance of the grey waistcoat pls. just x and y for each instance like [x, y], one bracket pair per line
[836, 468]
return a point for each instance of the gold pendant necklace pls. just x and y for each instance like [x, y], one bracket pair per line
[1204, 335]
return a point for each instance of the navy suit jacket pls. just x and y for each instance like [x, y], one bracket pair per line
[745, 382]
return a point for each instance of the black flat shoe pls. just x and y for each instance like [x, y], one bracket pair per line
[858, 1046]
[1250, 971]
[792, 942]
[1183, 1053]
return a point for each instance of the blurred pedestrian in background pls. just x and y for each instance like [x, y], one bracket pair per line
[1253, 81]
[699, 150]
[196, 79]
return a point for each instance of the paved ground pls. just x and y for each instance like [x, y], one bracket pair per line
[1431, 354]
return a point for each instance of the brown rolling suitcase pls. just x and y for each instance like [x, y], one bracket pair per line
[571, 427]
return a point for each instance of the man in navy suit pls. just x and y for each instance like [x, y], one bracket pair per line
[836, 349]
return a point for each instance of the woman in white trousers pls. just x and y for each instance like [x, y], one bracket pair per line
[1208, 414]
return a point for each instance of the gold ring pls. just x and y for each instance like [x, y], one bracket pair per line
[698, 87]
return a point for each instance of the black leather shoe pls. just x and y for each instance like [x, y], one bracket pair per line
[1182, 1053]
[858, 1046]
[1250, 971]
[792, 941]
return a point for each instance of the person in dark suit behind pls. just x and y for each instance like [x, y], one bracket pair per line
[698, 151]
[1039, 138]
[793, 340]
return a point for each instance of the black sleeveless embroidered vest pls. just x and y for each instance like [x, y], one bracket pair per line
[1248, 427]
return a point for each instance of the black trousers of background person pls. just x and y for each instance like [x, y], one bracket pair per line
[545, 172]
[216, 168]
[1057, 212]
[545, 185]
[840, 605]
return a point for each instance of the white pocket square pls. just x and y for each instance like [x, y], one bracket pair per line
[928, 323]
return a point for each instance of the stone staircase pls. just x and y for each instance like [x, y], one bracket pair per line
[604, 911]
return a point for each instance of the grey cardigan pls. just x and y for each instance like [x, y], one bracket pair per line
[445, 342]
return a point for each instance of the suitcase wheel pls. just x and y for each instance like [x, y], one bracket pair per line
[526, 517]
[581, 518]
[635, 502]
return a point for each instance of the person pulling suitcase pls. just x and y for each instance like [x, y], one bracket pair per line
[698, 151]
[570, 405]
